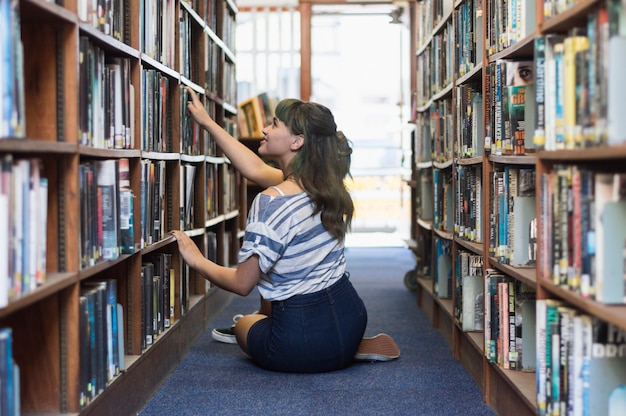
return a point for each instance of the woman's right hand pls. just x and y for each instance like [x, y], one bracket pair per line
[197, 110]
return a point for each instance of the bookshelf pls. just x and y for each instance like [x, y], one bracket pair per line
[520, 208]
[98, 148]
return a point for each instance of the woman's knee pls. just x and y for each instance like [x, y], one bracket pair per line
[242, 327]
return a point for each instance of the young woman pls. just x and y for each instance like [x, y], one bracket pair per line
[311, 318]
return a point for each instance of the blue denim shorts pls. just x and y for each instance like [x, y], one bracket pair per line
[311, 333]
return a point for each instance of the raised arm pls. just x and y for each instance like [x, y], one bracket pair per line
[251, 166]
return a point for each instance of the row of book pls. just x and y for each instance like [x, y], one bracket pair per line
[158, 297]
[583, 235]
[441, 132]
[423, 151]
[107, 201]
[425, 203]
[23, 221]
[105, 98]
[9, 375]
[156, 113]
[512, 215]
[187, 66]
[190, 131]
[211, 77]
[576, 108]
[230, 196]
[440, 71]
[106, 211]
[507, 111]
[468, 203]
[581, 362]
[12, 112]
[205, 9]
[469, 116]
[108, 16]
[469, 28]
[443, 200]
[101, 331]
[508, 22]
[231, 185]
[152, 195]
[157, 30]
[509, 328]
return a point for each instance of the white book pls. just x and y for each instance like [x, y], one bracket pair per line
[43, 230]
[616, 100]
[472, 286]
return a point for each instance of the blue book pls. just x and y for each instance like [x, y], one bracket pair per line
[7, 402]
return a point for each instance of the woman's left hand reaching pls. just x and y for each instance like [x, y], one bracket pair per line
[187, 248]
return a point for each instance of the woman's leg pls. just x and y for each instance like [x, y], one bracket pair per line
[243, 327]
[245, 323]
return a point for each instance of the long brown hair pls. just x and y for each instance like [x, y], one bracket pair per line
[323, 162]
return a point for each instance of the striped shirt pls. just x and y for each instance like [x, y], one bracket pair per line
[296, 253]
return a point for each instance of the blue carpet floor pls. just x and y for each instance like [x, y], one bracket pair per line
[218, 379]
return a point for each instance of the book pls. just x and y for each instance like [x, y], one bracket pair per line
[121, 337]
[126, 209]
[7, 386]
[472, 288]
[607, 367]
[443, 280]
[147, 327]
[6, 164]
[617, 91]
[84, 353]
[107, 186]
[610, 284]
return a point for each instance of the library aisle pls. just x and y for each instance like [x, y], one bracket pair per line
[216, 378]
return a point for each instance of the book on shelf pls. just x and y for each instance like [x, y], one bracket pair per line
[108, 202]
[473, 298]
[187, 197]
[107, 327]
[24, 199]
[12, 112]
[581, 362]
[162, 267]
[254, 114]
[94, 354]
[9, 381]
[525, 327]
[5, 224]
[147, 324]
[610, 232]
[443, 266]
[126, 209]
[426, 204]
[152, 200]
[617, 91]
[212, 190]
[104, 93]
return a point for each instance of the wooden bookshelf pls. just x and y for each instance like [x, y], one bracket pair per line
[460, 48]
[71, 119]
